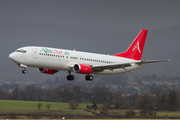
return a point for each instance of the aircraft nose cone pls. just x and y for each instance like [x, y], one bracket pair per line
[12, 56]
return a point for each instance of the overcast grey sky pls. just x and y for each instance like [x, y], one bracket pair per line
[99, 26]
[111, 14]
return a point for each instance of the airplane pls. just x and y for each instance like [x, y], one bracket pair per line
[50, 60]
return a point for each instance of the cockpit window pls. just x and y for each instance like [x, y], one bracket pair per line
[17, 50]
[21, 50]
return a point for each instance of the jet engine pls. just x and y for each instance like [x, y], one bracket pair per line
[47, 71]
[82, 68]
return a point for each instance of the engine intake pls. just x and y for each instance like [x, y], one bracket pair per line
[47, 71]
[82, 68]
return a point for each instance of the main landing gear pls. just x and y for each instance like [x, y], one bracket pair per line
[89, 77]
[71, 77]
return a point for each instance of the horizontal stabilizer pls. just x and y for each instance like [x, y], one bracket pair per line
[151, 61]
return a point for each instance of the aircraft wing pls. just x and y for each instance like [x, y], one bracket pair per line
[98, 68]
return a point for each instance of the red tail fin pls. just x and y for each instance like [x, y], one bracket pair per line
[135, 50]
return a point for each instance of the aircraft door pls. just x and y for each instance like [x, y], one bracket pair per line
[35, 54]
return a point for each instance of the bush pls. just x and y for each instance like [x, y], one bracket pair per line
[88, 107]
[144, 112]
[39, 105]
[106, 106]
[130, 113]
[48, 106]
[73, 104]
[94, 106]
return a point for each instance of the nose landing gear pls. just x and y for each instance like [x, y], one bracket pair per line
[24, 71]
[23, 66]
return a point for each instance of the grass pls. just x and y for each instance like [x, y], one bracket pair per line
[168, 113]
[30, 108]
[33, 104]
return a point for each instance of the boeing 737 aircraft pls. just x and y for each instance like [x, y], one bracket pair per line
[51, 60]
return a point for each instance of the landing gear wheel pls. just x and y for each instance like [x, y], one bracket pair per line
[89, 77]
[24, 71]
[70, 77]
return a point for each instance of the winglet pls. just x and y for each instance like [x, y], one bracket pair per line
[135, 50]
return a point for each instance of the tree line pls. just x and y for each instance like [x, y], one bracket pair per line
[161, 98]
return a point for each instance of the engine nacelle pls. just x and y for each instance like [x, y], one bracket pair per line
[82, 68]
[47, 71]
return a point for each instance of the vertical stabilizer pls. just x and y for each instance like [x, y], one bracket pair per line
[135, 50]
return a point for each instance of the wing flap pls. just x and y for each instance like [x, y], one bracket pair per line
[98, 68]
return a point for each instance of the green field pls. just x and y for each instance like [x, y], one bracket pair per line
[168, 113]
[33, 104]
[30, 108]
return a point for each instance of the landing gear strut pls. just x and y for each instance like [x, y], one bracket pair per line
[89, 77]
[23, 66]
[70, 77]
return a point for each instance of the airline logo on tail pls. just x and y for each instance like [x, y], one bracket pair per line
[137, 47]
[135, 50]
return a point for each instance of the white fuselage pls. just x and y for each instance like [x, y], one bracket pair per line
[50, 60]
[61, 59]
